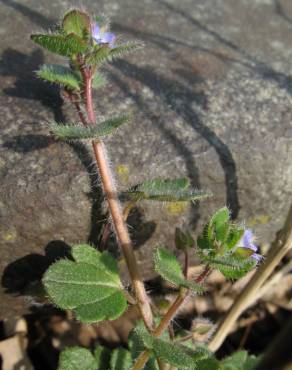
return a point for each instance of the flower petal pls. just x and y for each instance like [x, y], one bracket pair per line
[247, 238]
[108, 38]
[257, 257]
[96, 31]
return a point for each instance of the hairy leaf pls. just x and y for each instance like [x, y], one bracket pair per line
[92, 289]
[80, 132]
[76, 22]
[169, 268]
[136, 346]
[60, 75]
[63, 45]
[239, 361]
[166, 190]
[102, 357]
[103, 53]
[121, 359]
[233, 267]
[219, 224]
[172, 353]
[76, 358]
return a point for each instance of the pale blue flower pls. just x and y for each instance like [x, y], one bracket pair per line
[101, 37]
[248, 242]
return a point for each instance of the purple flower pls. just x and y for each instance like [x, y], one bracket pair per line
[101, 37]
[247, 242]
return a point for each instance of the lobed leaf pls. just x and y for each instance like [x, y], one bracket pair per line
[77, 22]
[166, 190]
[168, 267]
[76, 358]
[63, 45]
[81, 132]
[60, 75]
[90, 286]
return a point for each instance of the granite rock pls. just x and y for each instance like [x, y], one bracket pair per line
[211, 97]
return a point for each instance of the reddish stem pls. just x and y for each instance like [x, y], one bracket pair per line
[115, 208]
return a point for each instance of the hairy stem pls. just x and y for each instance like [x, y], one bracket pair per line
[249, 294]
[115, 208]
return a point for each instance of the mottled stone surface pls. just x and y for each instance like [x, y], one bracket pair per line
[211, 97]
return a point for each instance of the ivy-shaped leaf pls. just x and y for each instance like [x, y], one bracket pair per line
[63, 45]
[176, 190]
[60, 75]
[90, 286]
[76, 358]
[169, 268]
[76, 22]
[81, 132]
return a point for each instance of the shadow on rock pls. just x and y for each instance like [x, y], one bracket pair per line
[24, 275]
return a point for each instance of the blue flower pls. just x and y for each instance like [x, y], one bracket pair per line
[247, 242]
[101, 37]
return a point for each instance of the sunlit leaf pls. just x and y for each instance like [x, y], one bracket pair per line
[81, 132]
[63, 45]
[169, 268]
[99, 290]
[60, 75]
[77, 22]
[166, 190]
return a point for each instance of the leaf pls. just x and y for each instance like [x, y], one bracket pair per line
[60, 75]
[169, 268]
[219, 224]
[103, 53]
[183, 240]
[234, 236]
[121, 359]
[76, 22]
[102, 357]
[166, 190]
[174, 354]
[60, 44]
[80, 132]
[239, 361]
[205, 240]
[76, 358]
[136, 346]
[233, 267]
[92, 289]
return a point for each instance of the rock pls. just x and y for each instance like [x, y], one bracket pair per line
[211, 98]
